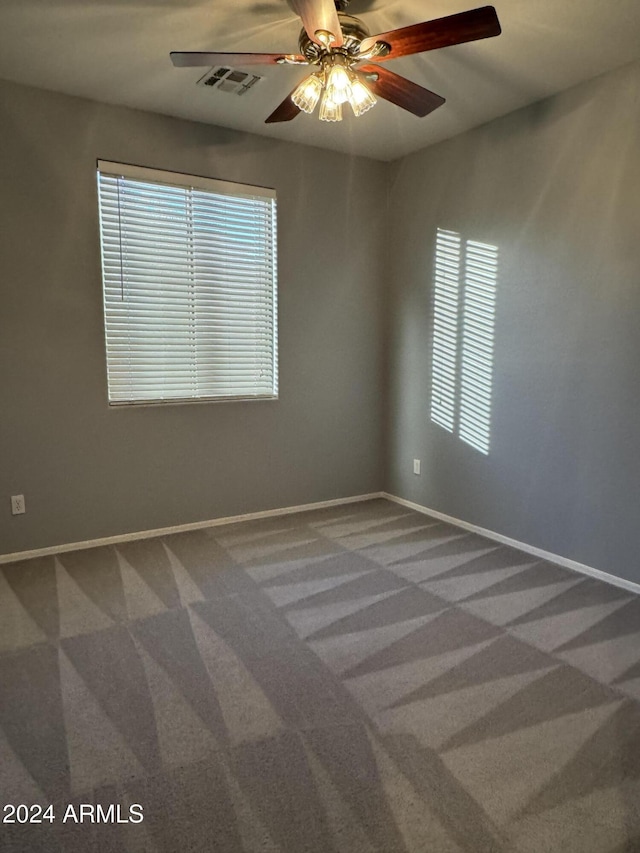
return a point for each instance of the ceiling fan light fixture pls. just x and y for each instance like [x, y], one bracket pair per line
[307, 95]
[338, 84]
[329, 110]
[361, 98]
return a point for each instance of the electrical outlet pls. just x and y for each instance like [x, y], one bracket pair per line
[17, 505]
[416, 466]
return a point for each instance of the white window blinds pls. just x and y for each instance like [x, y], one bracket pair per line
[189, 274]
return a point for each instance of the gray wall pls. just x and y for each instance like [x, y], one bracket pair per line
[89, 471]
[556, 187]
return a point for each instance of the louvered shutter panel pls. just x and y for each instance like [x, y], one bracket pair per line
[189, 273]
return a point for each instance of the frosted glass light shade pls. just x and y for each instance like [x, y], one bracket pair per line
[329, 110]
[361, 98]
[307, 95]
[338, 85]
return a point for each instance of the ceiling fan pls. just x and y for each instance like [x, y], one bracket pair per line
[347, 59]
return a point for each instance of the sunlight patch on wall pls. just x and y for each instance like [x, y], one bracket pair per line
[466, 275]
[445, 329]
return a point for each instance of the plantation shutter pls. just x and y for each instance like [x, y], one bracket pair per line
[189, 274]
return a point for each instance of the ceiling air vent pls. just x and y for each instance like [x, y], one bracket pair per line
[229, 80]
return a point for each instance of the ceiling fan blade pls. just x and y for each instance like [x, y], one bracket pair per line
[400, 91]
[285, 111]
[198, 58]
[442, 32]
[319, 15]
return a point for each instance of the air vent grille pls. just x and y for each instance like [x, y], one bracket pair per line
[229, 80]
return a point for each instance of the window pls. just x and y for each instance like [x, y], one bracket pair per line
[189, 277]
[466, 275]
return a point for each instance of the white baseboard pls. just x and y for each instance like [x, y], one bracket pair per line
[573, 565]
[566, 563]
[181, 528]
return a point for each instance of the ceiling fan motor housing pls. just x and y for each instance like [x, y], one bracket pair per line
[354, 31]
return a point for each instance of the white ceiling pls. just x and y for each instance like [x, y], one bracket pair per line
[117, 51]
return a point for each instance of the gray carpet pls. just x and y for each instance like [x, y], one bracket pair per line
[348, 680]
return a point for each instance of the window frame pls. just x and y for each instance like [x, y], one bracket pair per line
[215, 186]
